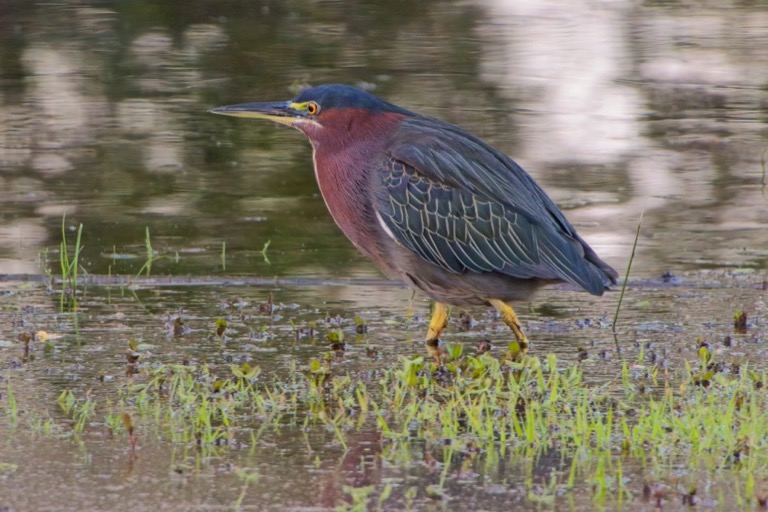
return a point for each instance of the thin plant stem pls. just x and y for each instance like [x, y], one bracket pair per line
[624, 284]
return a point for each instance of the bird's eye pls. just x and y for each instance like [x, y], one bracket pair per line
[312, 108]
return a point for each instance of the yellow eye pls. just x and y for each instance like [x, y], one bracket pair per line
[312, 108]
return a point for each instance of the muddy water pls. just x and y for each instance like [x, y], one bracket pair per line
[617, 109]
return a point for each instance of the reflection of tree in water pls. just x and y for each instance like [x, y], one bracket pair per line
[114, 106]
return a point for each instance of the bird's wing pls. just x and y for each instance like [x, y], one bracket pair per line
[466, 207]
[450, 155]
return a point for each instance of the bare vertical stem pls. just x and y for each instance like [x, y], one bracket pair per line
[624, 284]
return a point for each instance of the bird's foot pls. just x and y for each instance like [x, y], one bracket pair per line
[517, 351]
[433, 349]
[519, 347]
[437, 324]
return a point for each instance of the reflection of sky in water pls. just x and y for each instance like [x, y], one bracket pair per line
[567, 67]
[615, 109]
[612, 89]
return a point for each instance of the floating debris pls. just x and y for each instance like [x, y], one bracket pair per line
[266, 308]
[360, 326]
[740, 322]
[484, 347]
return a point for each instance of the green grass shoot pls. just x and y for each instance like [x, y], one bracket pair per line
[69, 267]
[150, 258]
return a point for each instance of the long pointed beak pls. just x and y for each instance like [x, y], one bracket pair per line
[280, 112]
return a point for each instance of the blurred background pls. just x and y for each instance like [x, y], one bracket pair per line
[615, 107]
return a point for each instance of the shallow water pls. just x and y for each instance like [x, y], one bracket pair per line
[618, 109]
[302, 468]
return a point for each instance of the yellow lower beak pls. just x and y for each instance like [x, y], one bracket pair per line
[281, 112]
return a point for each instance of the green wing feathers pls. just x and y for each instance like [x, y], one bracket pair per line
[461, 229]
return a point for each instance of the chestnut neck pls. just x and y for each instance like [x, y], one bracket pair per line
[348, 148]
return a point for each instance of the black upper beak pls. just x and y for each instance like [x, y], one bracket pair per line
[280, 112]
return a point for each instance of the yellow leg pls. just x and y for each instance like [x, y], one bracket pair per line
[509, 317]
[437, 323]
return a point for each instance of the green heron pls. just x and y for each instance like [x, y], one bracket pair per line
[434, 205]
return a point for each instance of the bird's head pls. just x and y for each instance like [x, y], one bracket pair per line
[332, 111]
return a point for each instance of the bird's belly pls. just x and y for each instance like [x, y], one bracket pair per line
[458, 289]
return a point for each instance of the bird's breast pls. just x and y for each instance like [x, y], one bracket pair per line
[344, 184]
